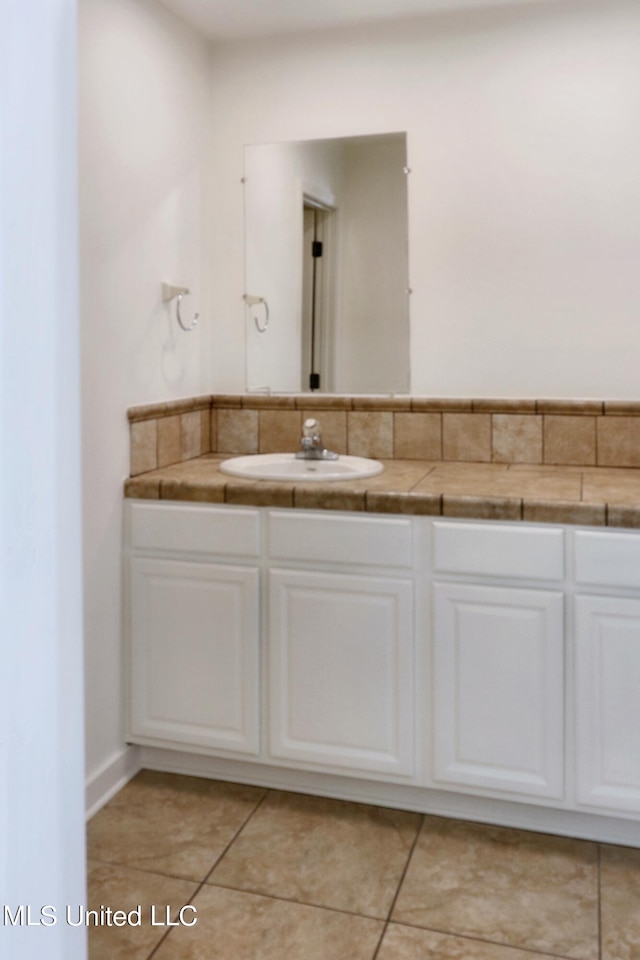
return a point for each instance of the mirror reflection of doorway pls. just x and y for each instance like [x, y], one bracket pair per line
[362, 335]
[317, 277]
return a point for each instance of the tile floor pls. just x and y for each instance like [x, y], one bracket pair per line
[279, 876]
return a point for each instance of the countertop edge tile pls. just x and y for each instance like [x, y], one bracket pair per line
[192, 482]
[142, 488]
[192, 491]
[416, 504]
[623, 516]
[259, 493]
[564, 511]
[482, 508]
[322, 497]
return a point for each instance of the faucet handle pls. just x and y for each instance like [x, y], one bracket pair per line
[311, 443]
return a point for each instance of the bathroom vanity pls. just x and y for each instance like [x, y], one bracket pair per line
[500, 660]
[391, 653]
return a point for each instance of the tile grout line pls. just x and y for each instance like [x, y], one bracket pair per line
[493, 943]
[300, 903]
[167, 932]
[235, 837]
[399, 887]
[217, 861]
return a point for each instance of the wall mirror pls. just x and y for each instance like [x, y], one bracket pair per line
[326, 265]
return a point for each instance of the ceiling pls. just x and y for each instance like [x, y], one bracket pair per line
[236, 19]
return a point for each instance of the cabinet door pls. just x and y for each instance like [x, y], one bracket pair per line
[341, 671]
[194, 677]
[608, 702]
[498, 688]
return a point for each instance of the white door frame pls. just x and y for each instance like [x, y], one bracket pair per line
[41, 728]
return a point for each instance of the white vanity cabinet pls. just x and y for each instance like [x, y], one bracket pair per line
[194, 627]
[434, 664]
[607, 651]
[341, 644]
[498, 659]
[324, 601]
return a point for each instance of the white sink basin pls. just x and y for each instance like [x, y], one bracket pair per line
[285, 466]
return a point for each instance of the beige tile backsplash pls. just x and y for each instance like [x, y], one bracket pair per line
[466, 436]
[169, 440]
[516, 438]
[418, 436]
[144, 446]
[237, 431]
[570, 440]
[370, 434]
[169, 433]
[619, 441]
[279, 431]
[512, 431]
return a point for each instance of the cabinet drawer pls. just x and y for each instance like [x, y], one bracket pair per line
[184, 528]
[610, 559]
[329, 538]
[498, 550]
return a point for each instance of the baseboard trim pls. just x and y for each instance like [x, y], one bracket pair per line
[524, 816]
[110, 778]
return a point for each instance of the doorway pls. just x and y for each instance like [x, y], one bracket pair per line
[318, 295]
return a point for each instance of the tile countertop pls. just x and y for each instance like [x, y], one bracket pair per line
[592, 496]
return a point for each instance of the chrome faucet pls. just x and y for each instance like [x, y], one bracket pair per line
[311, 447]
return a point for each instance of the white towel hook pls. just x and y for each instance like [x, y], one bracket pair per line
[170, 292]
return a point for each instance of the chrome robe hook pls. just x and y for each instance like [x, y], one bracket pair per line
[252, 302]
[170, 292]
[194, 322]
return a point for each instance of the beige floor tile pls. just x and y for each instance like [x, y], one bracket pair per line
[511, 887]
[325, 852]
[620, 898]
[121, 888]
[410, 943]
[170, 824]
[241, 926]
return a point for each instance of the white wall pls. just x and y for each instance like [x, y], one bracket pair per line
[524, 205]
[41, 742]
[144, 155]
